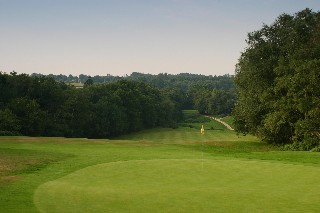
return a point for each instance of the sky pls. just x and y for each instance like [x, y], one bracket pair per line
[118, 37]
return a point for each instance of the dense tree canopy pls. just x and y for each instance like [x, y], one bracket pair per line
[209, 94]
[278, 80]
[42, 106]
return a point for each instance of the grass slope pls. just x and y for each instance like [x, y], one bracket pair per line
[159, 170]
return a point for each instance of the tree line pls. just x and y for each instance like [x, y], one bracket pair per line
[213, 95]
[277, 80]
[42, 106]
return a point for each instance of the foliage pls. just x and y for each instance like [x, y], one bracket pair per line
[41, 106]
[9, 121]
[277, 80]
[88, 82]
[315, 149]
[193, 116]
[213, 102]
[307, 145]
[9, 133]
[208, 94]
[193, 119]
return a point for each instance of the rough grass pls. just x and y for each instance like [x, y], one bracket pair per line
[164, 170]
[16, 161]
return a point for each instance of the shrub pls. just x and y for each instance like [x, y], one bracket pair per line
[310, 144]
[316, 149]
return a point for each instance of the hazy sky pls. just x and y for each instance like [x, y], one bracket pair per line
[100, 37]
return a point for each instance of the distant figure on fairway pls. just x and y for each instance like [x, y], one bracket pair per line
[202, 130]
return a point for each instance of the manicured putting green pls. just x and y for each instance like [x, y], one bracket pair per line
[184, 186]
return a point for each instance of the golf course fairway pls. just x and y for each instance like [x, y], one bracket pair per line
[184, 185]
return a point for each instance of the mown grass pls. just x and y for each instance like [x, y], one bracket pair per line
[185, 135]
[159, 170]
[185, 185]
[17, 195]
[193, 119]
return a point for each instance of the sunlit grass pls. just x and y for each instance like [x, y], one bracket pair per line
[75, 175]
[183, 185]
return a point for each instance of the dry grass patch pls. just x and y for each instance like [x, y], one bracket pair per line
[10, 165]
[16, 162]
[8, 179]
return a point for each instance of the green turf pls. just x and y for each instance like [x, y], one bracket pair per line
[158, 170]
[183, 186]
[186, 135]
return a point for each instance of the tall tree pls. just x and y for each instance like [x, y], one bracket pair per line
[277, 80]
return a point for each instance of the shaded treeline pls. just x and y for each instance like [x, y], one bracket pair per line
[209, 94]
[42, 106]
